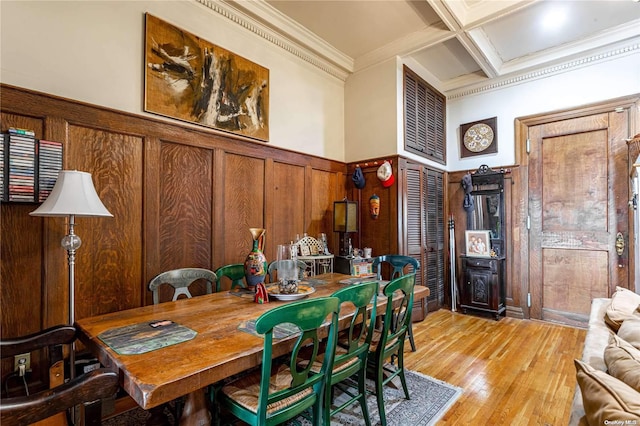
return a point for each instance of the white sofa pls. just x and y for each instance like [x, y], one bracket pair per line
[593, 353]
[608, 373]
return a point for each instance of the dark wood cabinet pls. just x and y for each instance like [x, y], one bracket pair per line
[483, 274]
[483, 287]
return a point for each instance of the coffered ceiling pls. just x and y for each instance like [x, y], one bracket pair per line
[462, 44]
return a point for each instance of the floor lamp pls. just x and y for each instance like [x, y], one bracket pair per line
[72, 195]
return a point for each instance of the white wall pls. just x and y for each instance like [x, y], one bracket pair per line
[371, 112]
[372, 128]
[93, 51]
[599, 82]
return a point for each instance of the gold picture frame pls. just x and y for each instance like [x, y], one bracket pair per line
[193, 80]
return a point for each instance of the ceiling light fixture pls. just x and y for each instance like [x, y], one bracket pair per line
[554, 18]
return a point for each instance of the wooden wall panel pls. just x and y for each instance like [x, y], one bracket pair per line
[243, 205]
[185, 188]
[181, 195]
[324, 192]
[381, 234]
[108, 265]
[21, 253]
[288, 206]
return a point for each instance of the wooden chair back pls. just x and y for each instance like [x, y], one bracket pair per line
[87, 389]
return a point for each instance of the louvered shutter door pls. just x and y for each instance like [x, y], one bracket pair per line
[425, 118]
[415, 220]
[434, 253]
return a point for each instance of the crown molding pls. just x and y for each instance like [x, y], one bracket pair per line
[266, 22]
[327, 59]
[500, 83]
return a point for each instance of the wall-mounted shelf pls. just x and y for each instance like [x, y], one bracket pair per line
[29, 167]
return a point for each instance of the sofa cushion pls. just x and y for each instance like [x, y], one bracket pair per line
[606, 398]
[623, 304]
[629, 331]
[623, 361]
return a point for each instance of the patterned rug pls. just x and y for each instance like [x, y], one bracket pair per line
[430, 400]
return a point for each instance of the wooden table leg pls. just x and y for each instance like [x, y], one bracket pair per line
[196, 410]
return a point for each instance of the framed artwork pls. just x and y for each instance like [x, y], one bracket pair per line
[305, 250]
[478, 243]
[193, 80]
[479, 137]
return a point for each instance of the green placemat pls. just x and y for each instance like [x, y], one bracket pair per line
[279, 331]
[146, 337]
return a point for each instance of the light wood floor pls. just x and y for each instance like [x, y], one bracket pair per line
[512, 371]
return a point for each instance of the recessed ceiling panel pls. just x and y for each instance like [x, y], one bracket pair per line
[551, 23]
[358, 27]
[447, 60]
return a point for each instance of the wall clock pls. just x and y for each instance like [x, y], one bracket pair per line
[479, 137]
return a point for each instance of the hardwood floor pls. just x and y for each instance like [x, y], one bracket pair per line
[512, 371]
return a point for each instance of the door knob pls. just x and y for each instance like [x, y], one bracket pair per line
[619, 244]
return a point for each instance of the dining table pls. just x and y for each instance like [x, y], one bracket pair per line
[165, 351]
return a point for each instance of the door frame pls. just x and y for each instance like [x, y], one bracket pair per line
[521, 183]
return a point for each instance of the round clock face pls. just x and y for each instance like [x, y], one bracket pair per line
[478, 137]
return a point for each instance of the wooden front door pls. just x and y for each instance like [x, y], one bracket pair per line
[578, 202]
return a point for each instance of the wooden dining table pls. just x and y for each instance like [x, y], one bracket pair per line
[221, 347]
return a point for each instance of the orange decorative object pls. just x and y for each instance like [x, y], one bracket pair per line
[374, 206]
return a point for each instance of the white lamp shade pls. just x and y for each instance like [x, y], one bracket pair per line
[73, 194]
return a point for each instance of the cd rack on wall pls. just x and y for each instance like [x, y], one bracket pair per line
[29, 167]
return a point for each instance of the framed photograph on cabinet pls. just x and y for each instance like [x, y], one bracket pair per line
[478, 243]
[479, 137]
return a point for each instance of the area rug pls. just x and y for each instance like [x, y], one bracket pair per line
[430, 400]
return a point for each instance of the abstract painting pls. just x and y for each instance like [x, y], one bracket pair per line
[193, 80]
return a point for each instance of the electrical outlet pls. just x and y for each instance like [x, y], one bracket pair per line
[27, 361]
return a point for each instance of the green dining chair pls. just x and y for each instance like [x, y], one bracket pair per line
[284, 388]
[181, 279]
[350, 356]
[398, 263]
[234, 272]
[388, 342]
[273, 269]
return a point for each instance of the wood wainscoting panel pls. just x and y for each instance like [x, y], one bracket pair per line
[108, 265]
[243, 204]
[326, 187]
[185, 209]
[572, 279]
[287, 206]
[178, 193]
